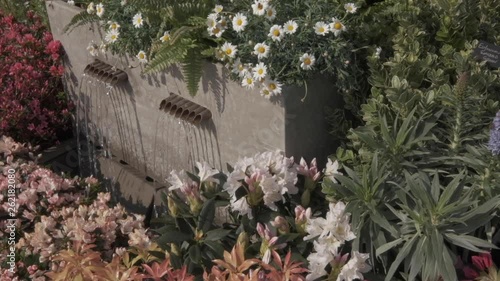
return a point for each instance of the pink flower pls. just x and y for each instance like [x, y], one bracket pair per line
[309, 172]
[482, 261]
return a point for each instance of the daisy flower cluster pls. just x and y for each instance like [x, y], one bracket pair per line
[249, 52]
[329, 234]
[262, 179]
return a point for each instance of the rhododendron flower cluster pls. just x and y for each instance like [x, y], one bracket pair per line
[329, 235]
[265, 178]
[30, 82]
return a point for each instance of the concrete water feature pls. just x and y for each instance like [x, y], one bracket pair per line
[143, 126]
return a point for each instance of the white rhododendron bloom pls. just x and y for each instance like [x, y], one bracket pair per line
[206, 173]
[270, 13]
[165, 37]
[331, 170]
[93, 49]
[261, 50]
[113, 25]
[259, 71]
[218, 8]
[337, 26]
[307, 61]
[179, 180]
[290, 27]
[99, 10]
[112, 36]
[142, 57]
[239, 22]
[91, 8]
[321, 28]
[276, 33]
[259, 7]
[229, 49]
[248, 82]
[267, 177]
[355, 267]
[137, 20]
[350, 8]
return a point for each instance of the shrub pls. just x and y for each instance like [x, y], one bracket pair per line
[33, 106]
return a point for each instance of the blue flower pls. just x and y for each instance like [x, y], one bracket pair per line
[494, 144]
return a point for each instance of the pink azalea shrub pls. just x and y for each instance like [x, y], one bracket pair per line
[53, 212]
[32, 104]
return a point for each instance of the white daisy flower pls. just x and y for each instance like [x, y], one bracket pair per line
[123, 2]
[270, 13]
[264, 91]
[142, 57]
[113, 25]
[239, 22]
[93, 49]
[276, 33]
[91, 8]
[350, 8]
[103, 47]
[112, 36]
[71, 2]
[211, 20]
[378, 50]
[216, 31]
[261, 50]
[220, 55]
[218, 8]
[165, 37]
[307, 61]
[248, 82]
[259, 7]
[137, 20]
[99, 10]
[290, 27]
[337, 26]
[273, 86]
[237, 66]
[259, 71]
[229, 49]
[321, 28]
[223, 23]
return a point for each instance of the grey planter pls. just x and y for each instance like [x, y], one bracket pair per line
[153, 142]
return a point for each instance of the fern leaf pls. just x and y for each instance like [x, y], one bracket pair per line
[169, 54]
[80, 19]
[151, 4]
[192, 68]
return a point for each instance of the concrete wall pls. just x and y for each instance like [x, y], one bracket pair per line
[243, 122]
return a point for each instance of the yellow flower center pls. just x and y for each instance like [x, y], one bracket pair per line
[240, 67]
[337, 26]
[223, 23]
[307, 61]
[229, 51]
[216, 30]
[272, 86]
[239, 22]
[262, 50]
[270, 13]
[321, 29]
[166, 37]
[265, 92]
[113, 37]
[249, 81]
[114, 26]
[349, 8]
[290, 27]
[141, 56]
[276, 32]
[260, 6]
[139, 20]
[260, 71]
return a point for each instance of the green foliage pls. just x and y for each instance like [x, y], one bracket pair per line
[426, 125]
[19, 9]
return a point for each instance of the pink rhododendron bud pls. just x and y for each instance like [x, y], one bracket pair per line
[301, 217]
[32, 269]
[281, 224]
[309, 172]
[483, 261]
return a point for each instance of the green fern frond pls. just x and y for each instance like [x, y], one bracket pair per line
[169, 54]
[192, 68]
[80, 19]
[151, 4]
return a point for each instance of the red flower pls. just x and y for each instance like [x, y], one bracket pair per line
[483, 261]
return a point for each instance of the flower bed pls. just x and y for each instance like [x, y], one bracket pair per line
[30, 83]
